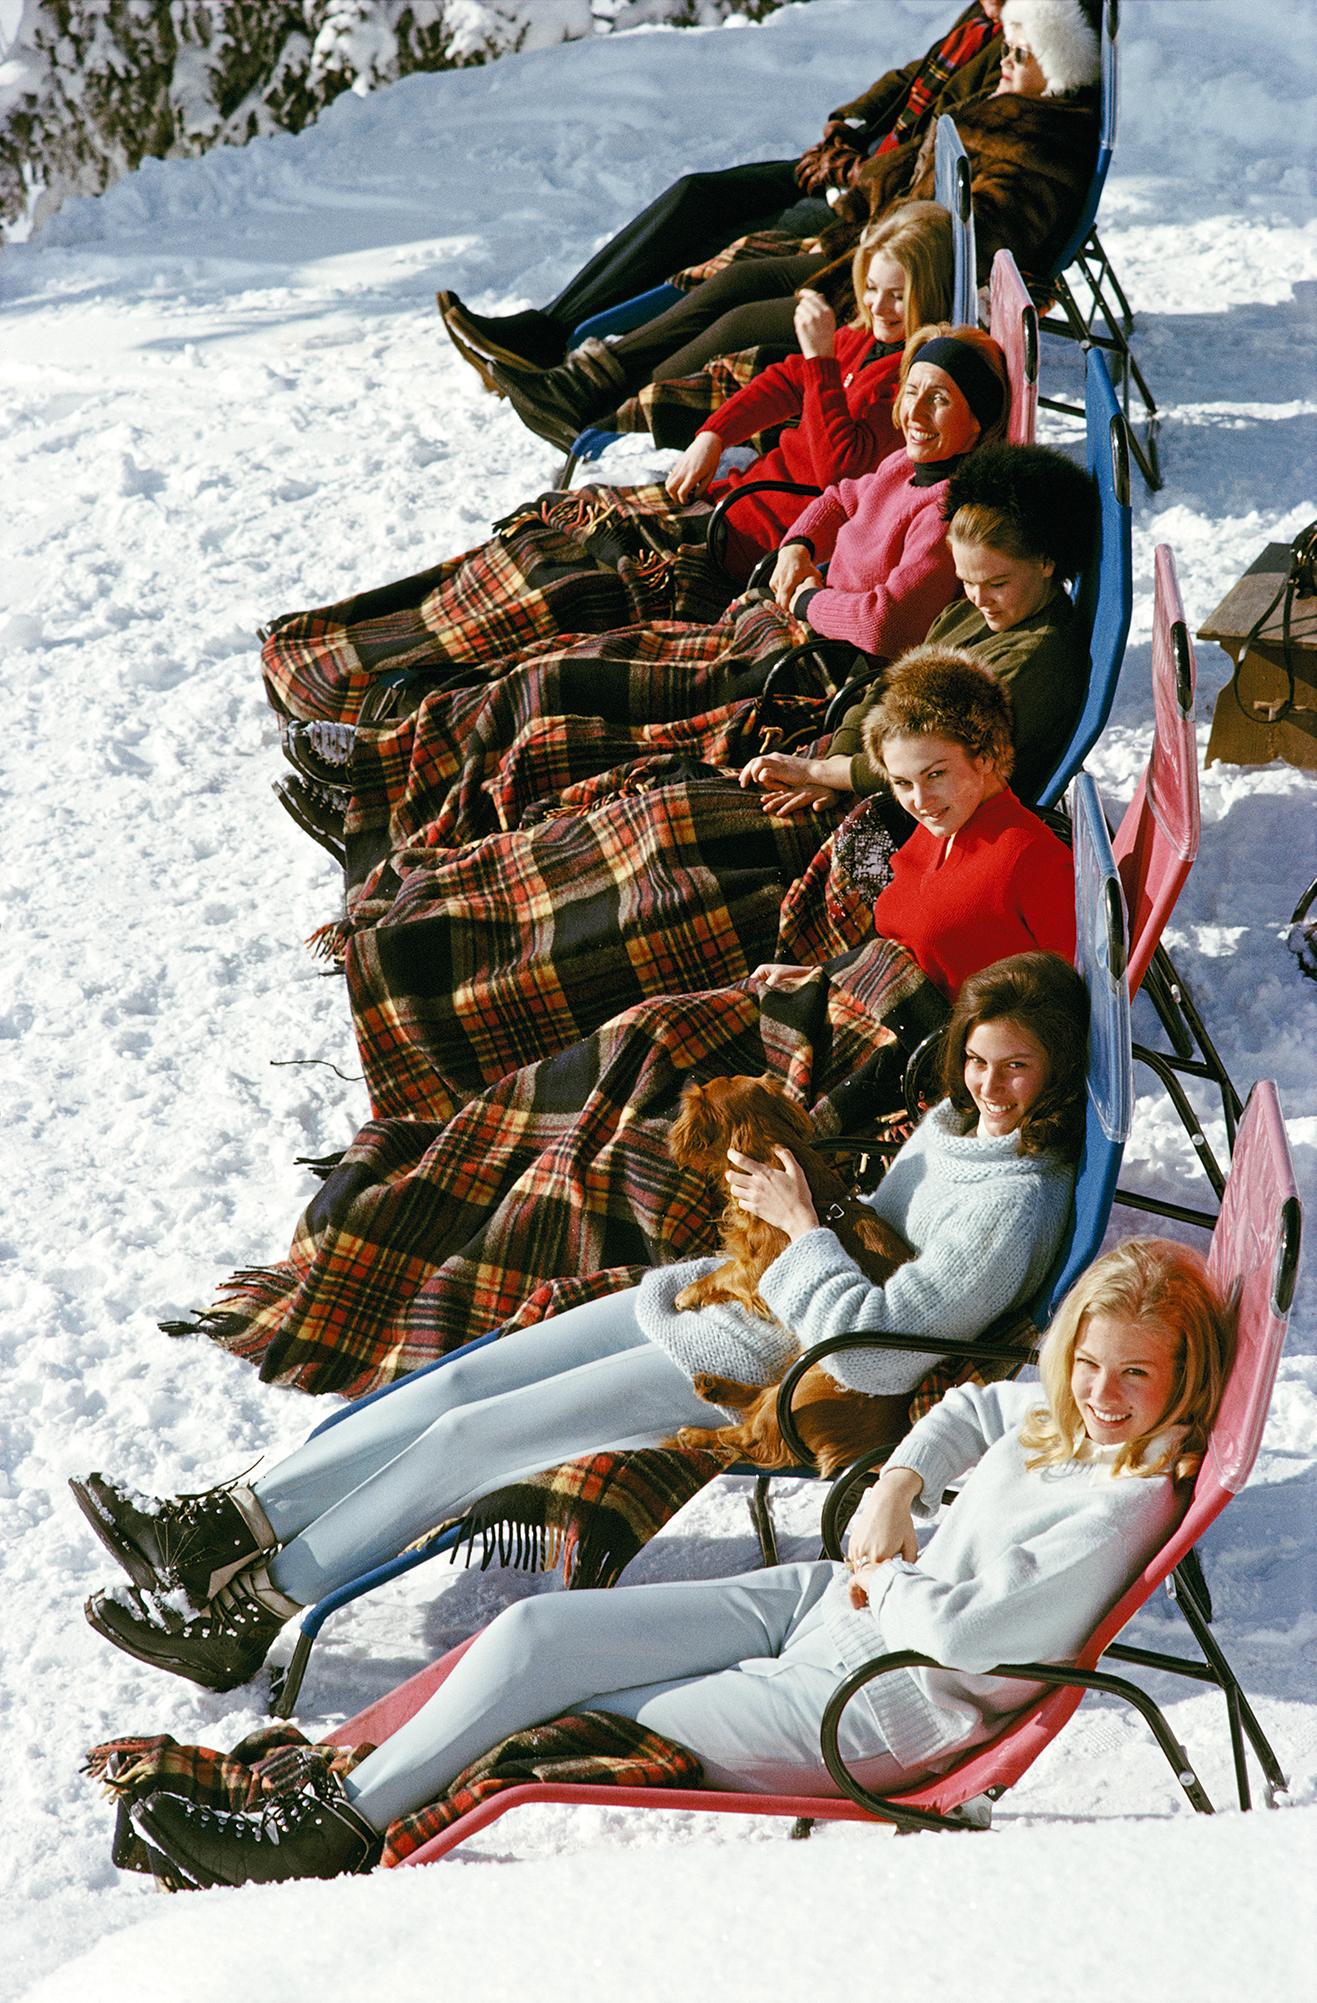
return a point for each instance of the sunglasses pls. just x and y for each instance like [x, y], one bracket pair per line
[1016, 53]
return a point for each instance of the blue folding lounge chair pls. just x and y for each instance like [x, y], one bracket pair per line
[1253, 1259]
[1109, 320]
[951, 187]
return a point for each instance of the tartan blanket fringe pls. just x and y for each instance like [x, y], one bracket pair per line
[590, 1516]
[587, 1747]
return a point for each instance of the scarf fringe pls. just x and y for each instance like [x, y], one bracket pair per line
[330, 943]
[321, 1166]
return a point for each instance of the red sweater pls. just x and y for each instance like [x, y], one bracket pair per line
[1007, 886]
[889, 568]
[840, 416]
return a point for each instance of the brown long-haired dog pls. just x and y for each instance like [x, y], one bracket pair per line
[754, 1116]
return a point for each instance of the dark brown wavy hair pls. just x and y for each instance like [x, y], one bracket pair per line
[1044, 995]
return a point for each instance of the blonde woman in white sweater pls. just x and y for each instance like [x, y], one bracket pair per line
[1067, 1495]
[981, 1193]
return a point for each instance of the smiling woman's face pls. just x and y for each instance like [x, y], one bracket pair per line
[935, 418]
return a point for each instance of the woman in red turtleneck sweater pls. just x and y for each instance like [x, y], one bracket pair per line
[981, 877]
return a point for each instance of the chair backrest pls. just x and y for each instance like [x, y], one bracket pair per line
[1104, 592]
[1157, 839]
[1100, 957]
[1254, 1254]
[951, 184]
[1013, 324]
[1108, 106]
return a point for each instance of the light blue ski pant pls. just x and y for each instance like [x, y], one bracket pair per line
[739, 1670]
[361, 1491]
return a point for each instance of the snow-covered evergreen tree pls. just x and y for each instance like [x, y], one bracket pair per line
[89, 88]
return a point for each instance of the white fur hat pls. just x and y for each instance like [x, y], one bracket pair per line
[1061, 37]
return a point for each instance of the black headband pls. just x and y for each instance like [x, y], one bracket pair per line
[978, 384]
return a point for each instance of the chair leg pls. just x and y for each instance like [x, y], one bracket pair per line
[285, 1687]
[1242, 1718]
[761, 1515]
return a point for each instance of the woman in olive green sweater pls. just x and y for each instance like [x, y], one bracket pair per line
[1022, 521]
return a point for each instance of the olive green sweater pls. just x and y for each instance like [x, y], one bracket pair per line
[1044, 664]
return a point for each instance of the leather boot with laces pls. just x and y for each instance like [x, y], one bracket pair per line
[320, 751]
[195, 1543]
[312, 1833]
[221, 1646]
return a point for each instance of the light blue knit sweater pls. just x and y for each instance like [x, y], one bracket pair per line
[1020, 1569]
[983, 1220]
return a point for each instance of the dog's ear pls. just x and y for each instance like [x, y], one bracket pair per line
[696, 1129]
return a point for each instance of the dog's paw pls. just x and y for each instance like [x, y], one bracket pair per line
[724, 1391]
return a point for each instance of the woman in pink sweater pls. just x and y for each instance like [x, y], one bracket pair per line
[883, 538]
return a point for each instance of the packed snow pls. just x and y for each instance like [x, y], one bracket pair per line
[226, 395]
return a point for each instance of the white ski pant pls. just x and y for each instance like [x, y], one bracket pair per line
[359, 1492]
[739, 1670]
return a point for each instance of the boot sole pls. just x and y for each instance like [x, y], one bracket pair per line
[156, 1656]
[138, 1567]
[479, 350]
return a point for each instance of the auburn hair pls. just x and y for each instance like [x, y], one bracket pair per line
[1042, 994]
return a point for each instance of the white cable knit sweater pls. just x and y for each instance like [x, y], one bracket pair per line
[1020, 1569]
[983, 1220]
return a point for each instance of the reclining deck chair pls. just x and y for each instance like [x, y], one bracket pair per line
[1101, 922]
[1155, 846]
[1254, 1254]
[951, 188]
[1108, 321]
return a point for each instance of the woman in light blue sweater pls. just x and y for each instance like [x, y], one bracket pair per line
[981, 1194]
[1066, 1497]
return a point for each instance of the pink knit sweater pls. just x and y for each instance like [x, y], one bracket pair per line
[889, 569]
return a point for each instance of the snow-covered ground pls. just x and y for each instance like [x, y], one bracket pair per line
[226, 394]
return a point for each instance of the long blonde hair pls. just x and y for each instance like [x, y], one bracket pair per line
[917, 236]
[1166, 1288]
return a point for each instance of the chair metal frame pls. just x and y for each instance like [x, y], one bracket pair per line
[1254, 1254]
[1107, 320]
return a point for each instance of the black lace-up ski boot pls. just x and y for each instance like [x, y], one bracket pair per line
[313, 1833]
[193, 1542]
[222, 1646]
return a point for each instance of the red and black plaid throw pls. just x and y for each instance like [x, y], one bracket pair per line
[581, 1748]
[959, 47]
[579, 562]
[426, 1233]
[449, 766]
[673, 411]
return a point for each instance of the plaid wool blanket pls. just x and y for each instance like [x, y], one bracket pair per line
[441, 767]
[426, 1233]
[592, 1748]
[495, 956]
[673, 411]
[578, 562]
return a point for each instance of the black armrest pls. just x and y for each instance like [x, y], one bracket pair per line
[1056, 1675]
[927, 1345]
[830, 654]
[716, 532]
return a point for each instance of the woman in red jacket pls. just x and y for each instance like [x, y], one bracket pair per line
[599, 558]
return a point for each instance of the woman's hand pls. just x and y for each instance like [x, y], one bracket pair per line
[778, 1196]
[780, 974]
[816, 326]
[883, 1527]
[797, 785]
[696, 467]
[794, 569]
